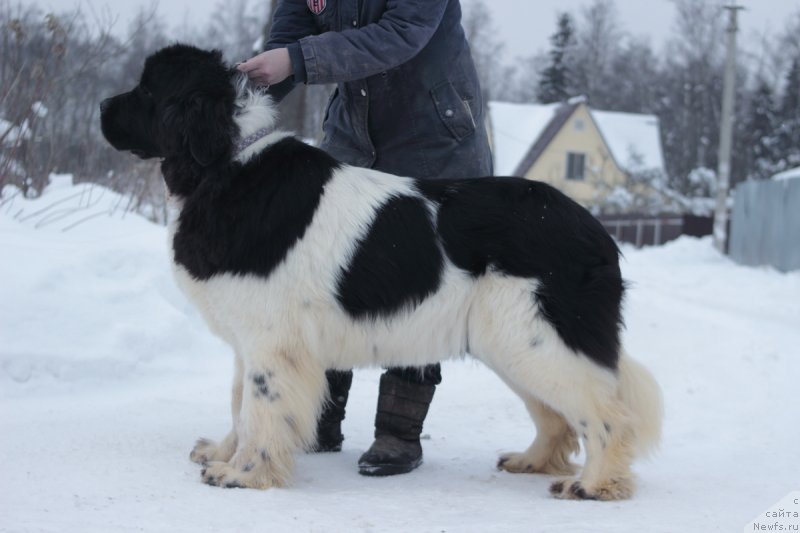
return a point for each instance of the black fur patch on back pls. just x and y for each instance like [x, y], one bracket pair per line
[529, 229]
[398, 264]
[247, 220]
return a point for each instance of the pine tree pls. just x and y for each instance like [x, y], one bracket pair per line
[554, 82]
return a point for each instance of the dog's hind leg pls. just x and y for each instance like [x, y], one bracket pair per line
[607, 436]
[206, 450]
[282, 393]
[550, 452]
[509, 333]
[583, 396]
[631, 426]
[591, 400]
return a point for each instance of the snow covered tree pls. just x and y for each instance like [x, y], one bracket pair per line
[235, 25]
[761, 131]
[554, 82]
[592, 63]
[487, 49]
[788, 137]
[632, 84]
[522, 81]
[692, 78]
[791, 97]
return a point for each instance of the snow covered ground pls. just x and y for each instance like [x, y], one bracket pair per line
[107, 377]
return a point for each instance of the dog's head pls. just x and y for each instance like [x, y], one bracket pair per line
[182, 107]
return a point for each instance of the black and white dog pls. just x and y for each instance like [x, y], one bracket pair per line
[303, 264]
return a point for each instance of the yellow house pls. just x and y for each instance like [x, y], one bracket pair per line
[595, 157]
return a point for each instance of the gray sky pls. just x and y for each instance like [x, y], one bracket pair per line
[525, 25]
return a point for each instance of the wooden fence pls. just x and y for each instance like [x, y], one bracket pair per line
[653, 230]
[765, 224]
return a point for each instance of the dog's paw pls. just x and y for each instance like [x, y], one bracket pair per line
[614, 489]
[225, 475]
[521, 463]
[203, 451]
[516, 463]
[206, 451]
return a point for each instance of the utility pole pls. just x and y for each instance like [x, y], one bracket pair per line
[726, 132]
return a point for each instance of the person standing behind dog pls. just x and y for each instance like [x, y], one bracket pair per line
[407, 102]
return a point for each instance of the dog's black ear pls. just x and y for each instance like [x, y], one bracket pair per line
[209, 128]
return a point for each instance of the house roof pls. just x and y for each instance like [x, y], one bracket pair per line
[634, 139]
[560, 117]
[514, 129]
[523, 131]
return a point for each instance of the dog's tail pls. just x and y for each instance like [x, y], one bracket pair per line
[641, 394]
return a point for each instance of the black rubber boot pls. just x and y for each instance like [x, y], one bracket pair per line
[329, 425]
[402, 407]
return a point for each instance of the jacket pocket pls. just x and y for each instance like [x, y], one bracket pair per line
[453, 111]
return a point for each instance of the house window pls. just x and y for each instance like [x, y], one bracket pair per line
[575, 166]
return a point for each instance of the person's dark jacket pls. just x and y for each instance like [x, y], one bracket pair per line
[407, 101]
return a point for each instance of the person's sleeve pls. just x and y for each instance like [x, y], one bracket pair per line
[291, 22]
[404, 29]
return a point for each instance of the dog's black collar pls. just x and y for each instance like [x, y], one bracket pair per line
[244, 143]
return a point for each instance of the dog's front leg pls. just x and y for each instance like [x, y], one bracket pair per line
[282, 393]
[205, 450]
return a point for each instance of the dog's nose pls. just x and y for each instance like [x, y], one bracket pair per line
[104, 105]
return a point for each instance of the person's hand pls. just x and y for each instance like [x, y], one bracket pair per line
[268, 68]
